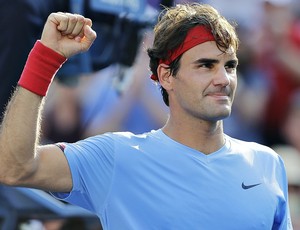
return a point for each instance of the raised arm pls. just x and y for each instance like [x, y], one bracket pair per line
[22, 161]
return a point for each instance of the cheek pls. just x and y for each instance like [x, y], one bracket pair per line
[233, 84]
[188, 92]
[234, 80]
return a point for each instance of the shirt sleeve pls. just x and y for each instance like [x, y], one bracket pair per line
[282, 219]
[91, 162]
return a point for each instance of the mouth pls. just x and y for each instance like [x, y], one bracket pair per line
[219, 96]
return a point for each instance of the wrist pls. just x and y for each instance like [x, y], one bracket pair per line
[41, 66]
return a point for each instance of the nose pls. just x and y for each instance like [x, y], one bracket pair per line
[221, 77]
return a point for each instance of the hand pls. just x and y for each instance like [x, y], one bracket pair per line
[68, 34]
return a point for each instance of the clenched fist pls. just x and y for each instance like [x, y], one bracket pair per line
[68, 34]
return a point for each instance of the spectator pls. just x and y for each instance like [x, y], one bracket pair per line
[114, 104]
[276, 55]
[22, 23]
[113, 54]
[290, 151]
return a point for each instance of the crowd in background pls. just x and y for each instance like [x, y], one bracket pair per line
[109, 88]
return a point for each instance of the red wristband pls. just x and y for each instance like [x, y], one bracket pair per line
[40, 69]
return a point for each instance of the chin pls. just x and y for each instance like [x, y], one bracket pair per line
[221, 116]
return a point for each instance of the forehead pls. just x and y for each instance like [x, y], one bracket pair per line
[208, 50]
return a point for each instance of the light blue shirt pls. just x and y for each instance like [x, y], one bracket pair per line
[149, 181]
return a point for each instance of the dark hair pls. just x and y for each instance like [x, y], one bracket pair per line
[172, 27]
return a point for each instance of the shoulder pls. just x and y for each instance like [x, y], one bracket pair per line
[117, 138]
[263, 157]
[111, 139]
[254, 148]
[129, 136]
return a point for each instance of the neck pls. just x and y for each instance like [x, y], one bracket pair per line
[206, 137]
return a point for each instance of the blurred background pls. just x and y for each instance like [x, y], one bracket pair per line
[109, 87]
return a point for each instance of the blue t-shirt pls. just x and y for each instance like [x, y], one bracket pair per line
[149, 181]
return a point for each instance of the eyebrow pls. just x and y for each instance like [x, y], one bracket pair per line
[214, 61]
[206, 60]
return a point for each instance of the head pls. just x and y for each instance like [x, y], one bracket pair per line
[174, 24]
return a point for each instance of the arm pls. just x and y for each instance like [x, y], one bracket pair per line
[22, 161]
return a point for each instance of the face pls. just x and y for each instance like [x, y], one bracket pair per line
[205, 84]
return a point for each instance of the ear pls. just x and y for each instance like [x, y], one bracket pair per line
[165, 77]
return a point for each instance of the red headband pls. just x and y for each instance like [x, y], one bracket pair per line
[195, 36]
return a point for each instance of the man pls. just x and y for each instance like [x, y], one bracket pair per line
[187, 175]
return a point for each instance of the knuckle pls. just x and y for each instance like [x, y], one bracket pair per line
[80, 18]
[72, 19]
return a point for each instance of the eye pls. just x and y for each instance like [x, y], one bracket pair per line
[231, 66]
[207, 65]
